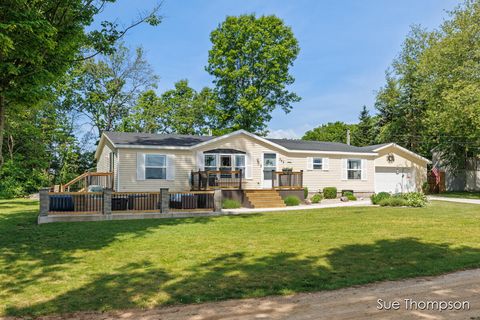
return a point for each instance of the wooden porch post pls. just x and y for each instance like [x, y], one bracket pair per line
[273, 179]
[241, 173]
[301, 178]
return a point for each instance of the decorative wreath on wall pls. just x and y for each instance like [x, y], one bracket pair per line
[390, 157]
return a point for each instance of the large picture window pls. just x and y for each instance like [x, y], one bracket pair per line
[155, 166]
[354, 169]
[225, 163]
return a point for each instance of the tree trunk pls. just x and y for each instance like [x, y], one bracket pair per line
[2, 126]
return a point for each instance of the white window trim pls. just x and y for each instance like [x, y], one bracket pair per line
[232, 157]
[217, 158]
[235, 165]
[360, 169]
[313, 163]
[156, 167]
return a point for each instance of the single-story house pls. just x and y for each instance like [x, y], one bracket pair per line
[245, 161]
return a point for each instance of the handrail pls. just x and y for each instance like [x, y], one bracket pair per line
[80, 177]
[216, 179]
[84, 175]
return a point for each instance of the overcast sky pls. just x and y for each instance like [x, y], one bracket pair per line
[345, 47]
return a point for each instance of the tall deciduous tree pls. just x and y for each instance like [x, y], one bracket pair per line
[332, 132]
[401, 108]
[181, 110]
[450, 67]
[40, 40]
[105, 89]
[250, 61]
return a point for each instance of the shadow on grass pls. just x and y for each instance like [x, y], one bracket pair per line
[29, 252]
[239, 275]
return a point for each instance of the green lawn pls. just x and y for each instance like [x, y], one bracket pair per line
[459, 194]
[58, 268]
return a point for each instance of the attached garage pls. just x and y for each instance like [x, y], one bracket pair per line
[394, 180]
[398, 170]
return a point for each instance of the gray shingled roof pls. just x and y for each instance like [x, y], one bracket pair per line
[176, 140]
[294, 144]
[373, 147]
[152, 139]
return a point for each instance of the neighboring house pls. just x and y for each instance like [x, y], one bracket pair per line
[467, 179]
[147, 162]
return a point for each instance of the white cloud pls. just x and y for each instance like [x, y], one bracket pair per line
[283, 134]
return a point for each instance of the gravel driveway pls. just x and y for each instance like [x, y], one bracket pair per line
[350, 303]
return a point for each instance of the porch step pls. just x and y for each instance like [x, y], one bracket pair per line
[264, 198]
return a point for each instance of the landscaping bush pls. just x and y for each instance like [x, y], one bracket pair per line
[305, 193]
[426, 187]
[393, 202]
[415, 199]
[351, 197]
[230, 204]
[330, 192]
[316, 198]
[377, 198]
[291, 201]
[411, 199]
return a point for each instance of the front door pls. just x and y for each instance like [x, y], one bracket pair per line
[269, 165]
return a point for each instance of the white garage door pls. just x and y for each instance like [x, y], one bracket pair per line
[394, 180]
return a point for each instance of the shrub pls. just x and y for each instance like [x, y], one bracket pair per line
[377, 198]
[415, 199]
[351, 197]
[291, 201]
[426, 187]
[316, 198]
[393, 202]
[330, 192]
[305, 193]
[230, 204]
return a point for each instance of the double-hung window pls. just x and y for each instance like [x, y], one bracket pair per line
[240, 163]
[318, 163]
[226, 165]
[210, 162]
[155, 166]
[354, 169]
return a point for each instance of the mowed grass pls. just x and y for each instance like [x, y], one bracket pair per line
[460, 194]
[65, 267]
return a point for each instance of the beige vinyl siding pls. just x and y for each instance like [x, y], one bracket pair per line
[103, 161]
[404, 159]
[184, 163]
[315, 180]
[253, 147]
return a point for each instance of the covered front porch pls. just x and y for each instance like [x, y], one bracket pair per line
[235, 179]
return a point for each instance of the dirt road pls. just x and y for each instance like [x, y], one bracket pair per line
[351, 303]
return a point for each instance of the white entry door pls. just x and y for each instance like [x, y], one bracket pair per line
[269, 165]
[394, 180]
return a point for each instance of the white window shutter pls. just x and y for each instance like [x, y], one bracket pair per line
[200, 161]
[140, 166]
[309, 163]
[364, 169]
[325, 164]
[248, 166]
[344, 169]
[171, 167]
